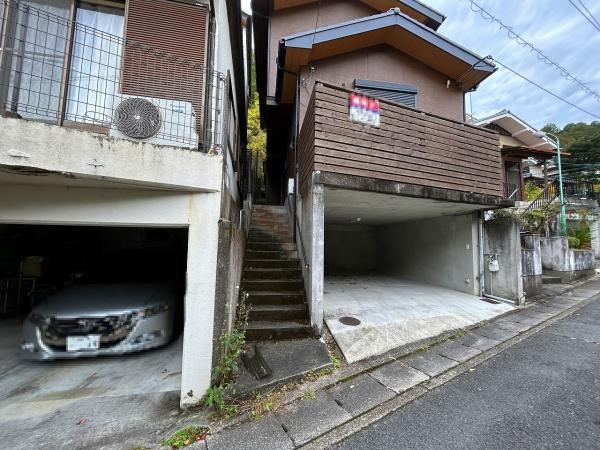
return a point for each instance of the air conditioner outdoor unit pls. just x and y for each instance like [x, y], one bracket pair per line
[155, 120]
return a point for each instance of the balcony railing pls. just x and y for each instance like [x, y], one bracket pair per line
[68, 73]
[512, 191]
[406, 146]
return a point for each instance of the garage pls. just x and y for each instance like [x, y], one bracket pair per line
[89, 312]
[398, 270]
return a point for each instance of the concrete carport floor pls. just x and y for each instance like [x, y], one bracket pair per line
[406, 268]
[79, 403]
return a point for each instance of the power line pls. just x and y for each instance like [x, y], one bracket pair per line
[589, 17]
[513, 35]
[544, 89]
[589, 13]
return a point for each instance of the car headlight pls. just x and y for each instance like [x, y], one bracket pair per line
[153, 310]
[39, 319]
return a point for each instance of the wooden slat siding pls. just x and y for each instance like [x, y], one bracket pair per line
[475, 131]
[411, 126]
[306, 145]
[410, 147]
[177, 33]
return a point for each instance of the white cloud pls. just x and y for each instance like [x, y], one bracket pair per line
[557, 29]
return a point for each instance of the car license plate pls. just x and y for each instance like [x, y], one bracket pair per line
[83, 343]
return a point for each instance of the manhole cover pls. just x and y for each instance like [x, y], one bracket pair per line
[352, 321]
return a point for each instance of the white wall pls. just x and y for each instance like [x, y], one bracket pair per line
[61, 205]
[83, 154]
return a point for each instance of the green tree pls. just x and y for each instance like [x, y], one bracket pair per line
[582, 141]
[257, 138]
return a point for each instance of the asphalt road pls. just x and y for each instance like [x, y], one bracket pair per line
[544, 392]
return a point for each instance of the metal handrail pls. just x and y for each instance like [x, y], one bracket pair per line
[572, 187]
[547, 196]
[306, 264]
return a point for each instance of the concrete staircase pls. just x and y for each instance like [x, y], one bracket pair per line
[272, 278]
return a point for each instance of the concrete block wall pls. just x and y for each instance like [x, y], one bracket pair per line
[531, 263]
[502, 240]
[559, 259]
[350, 249]
[440, 251]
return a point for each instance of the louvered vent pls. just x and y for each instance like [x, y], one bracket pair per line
[404, 94]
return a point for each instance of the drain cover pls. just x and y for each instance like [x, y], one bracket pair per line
[489, 300]
[352, 321]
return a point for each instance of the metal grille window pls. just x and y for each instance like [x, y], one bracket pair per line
[84, 73]
[404, 94]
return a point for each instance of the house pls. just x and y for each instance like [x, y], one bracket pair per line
[522, 152]
[363, 104]
[122, 128]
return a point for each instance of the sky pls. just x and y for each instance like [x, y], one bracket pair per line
[553, 26]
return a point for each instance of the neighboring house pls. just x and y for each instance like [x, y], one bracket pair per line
[363, 103]
[132, 113]
[522, 152]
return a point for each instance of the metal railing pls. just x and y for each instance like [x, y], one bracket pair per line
[512, 191]
[583, 189]
[69, 73]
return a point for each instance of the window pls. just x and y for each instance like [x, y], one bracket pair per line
[404, 94]
[95, 62]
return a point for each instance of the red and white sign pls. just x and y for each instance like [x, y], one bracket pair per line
[364, 109]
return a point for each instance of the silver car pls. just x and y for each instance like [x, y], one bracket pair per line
[100, 319]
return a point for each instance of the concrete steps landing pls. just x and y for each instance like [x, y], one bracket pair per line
[272, 279]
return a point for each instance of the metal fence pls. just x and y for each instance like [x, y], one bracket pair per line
[69, 73]
[582, 189]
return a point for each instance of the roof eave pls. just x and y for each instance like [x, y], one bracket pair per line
[308, 39]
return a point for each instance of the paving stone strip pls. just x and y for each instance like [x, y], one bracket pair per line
[335, 412]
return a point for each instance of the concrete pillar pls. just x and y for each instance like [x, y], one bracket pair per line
[595, 233]
[203, 211]
[317, 258]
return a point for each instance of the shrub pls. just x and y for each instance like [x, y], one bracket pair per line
[532, 191]
[574, 242]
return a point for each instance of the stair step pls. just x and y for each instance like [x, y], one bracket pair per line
[271, 238]
[272, 273]
[264, 330]
[547, 279]
[275, 218]
[270, 254]
[268, 246]
[269, 208]
[276, 298]
[271, 263]
[272, 285]
[295, 312]
[271, 228]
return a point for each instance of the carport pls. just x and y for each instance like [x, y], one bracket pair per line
[39, 263]
[68, 222]
[399, 269]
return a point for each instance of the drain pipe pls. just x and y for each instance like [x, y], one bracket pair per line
[482, 267]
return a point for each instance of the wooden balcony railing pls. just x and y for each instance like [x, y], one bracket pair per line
[409, 147]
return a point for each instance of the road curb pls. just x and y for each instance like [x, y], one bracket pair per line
[376, 414]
